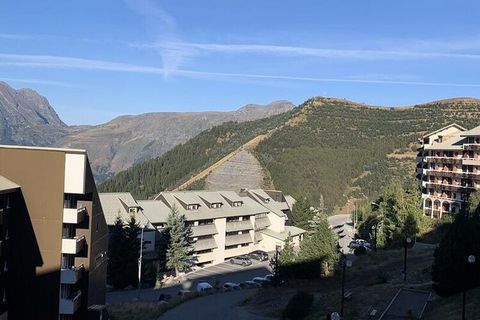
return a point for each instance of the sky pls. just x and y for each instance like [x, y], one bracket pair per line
[95, 60]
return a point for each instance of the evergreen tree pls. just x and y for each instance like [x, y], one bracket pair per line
[116, 258]
[180, 249]
[132, 250]
[287, 255]
[302, 212]
[410, 226]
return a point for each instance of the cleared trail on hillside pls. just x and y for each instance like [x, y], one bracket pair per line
[238, 168]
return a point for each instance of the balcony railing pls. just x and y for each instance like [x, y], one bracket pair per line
[205, 244]
[73, 245]
[447, 160]
[71, 275]
[70, 305]
[471, 146]
[204, 230]
[74, 216]
[447, 187]
[262, 223]
[239, 226]
[205, 257]
[235, 239]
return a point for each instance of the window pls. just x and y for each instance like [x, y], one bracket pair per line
[205, 222]
[193, 207]
[204, 251]
[233, 219]
[216, 205]
[132, 210]
[237, 204]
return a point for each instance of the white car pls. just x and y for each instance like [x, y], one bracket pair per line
[229, 286]
[259, 280]
[204, 287]
[268, 277]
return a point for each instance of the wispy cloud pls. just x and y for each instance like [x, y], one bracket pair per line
[58, 62]
[39, 81]
[279, 50]
[161, 27]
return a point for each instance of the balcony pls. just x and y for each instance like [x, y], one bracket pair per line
[471, 146]
[239, 226]
[448, 187]
[262, 223]
[205, 257]
[73, 245]
[70, 305]
[205, 244]
[71, 275]
[204, 230]
[238, 239]
[471, 161]
[443, 160]
[74, 216]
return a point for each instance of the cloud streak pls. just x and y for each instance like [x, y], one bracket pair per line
[278, 50]
[59, 62]
[39, 81]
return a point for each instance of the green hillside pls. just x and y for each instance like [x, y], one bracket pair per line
[326, 147]
[334, 147]
[177, 165]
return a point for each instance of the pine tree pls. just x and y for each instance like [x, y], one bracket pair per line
[132, 250]
[180, 249]
[287, 255]
[302, 212]
[116, 258]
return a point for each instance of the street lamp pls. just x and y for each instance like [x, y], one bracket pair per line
[140, 258]
[375, 227]
[408, 240]
[346, 263]
[471, 260]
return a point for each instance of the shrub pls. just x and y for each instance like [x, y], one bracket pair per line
[299, 306]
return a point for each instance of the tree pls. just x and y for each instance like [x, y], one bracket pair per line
[320, 243]
[410, 226]
[451, 271]
[180, 249]
[302, 212]
[132, 250]
[116, 257]
[287, 255]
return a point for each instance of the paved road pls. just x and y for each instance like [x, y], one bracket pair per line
[342, 224]
[216, 306]
[222, 273]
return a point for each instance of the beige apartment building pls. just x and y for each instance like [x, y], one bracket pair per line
[224, 224]
[53, 256]
[448, 169]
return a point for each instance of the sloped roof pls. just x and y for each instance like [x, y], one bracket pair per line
[274, 206]
[453, 143]
[292, 230]
[475, 132]
[155, 211]
[445, 128]
[7, 185]
[117, 204]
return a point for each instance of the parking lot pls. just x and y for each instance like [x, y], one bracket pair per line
[220, 273]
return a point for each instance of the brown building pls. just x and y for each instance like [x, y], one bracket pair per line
[53, 235]
[448, 169]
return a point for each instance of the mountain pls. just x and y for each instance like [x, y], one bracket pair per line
[27, 118]
[326, 147]
[128, 140]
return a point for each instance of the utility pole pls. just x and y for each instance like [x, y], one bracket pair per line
[140, 261]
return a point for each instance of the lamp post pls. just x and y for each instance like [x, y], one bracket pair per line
[471, 260]
[140, 259]
[375, 227]
[346, 263]
[408, 240]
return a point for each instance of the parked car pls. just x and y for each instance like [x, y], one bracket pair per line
[249, 284]
[204, 287]
[242, 260]
[363, 243]
[230, 286]
[268, 277]
[184, 292]
[259, 255]
[260, 280]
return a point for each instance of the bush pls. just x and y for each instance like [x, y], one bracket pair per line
[299, 306]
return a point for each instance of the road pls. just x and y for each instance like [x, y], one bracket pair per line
[216, 306]
[343, 226]
[222, 272]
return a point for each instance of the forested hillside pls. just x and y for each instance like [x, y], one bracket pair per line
[333, 147]
[177, 165]
[326, 147]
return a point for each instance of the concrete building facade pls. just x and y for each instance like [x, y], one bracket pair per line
[448, 169]
[224, 224]
[54, 236]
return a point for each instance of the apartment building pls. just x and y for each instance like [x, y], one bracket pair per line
[448, 169]
[53, 235]
[224, 224]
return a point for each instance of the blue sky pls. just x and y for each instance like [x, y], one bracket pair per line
[95, 60]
